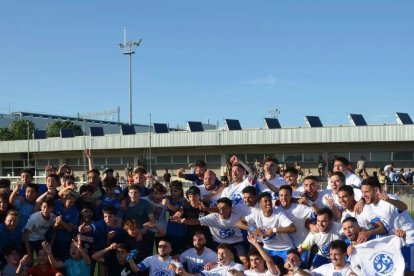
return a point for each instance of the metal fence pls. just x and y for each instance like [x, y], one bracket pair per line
[404, 193]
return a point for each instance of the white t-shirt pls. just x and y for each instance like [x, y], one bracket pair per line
[243, 210]
[221, 270]
[380, 256]
[206, 193]
[38, 226]
[320, 201]
[405, 222]
[277, 182]
[352, 179]
[234, 191]
[300, 190]
[298, 214]
[195, 263]
[251, 272]
[322, 240]
[223, 230]
[156, 266]
[328, 270]
[381, 211]
[276, 241]
[361, 222]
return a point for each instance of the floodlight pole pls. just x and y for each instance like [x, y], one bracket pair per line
[128, 49]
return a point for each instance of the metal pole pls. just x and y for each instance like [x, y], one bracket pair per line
[130, 89]
[150, 153]
[28, 146]
[127, 47]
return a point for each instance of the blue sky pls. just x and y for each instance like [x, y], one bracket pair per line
[210, 60]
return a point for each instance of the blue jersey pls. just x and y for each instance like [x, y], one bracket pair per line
[8, 238]
[69, 216]
[101, 234]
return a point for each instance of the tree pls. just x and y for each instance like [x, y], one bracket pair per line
[5, 134]
[53, 128]
[20, 129]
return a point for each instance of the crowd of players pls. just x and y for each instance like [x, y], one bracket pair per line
[266, 225]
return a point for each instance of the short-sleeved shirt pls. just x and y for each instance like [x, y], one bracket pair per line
[221, 270]
[195, 263]
[38, 226]
[298, 214]
[322, 240]
[234, 192]
[140, 212]
[69, 215]
[156, 266]
[77, 267]
[328, 269]
[223, 230]
[276, 241]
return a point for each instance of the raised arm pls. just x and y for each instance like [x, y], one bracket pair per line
[269, 261]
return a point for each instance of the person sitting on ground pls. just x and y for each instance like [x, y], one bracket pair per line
[14, 265]
[79, 262]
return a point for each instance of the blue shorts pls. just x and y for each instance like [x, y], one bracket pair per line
[279, 253]
[408, 254]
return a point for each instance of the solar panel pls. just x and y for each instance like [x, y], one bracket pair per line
[39, 134]
[233, 124]
[272, 123]
[357, 120]
[195, 126]
[160, 128]
[128, 130]
[403, 118]
[67, 132]
[96, 131]
[313, 121]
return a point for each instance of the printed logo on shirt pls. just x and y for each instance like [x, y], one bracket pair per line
[197, 268]
[268, 238]
[236, 199]
[225, 233]
[383, 262]
[163, 272]
[325, 249]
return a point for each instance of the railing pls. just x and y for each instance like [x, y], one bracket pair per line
[404, 193]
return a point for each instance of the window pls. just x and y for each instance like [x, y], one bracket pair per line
[339, 154]
[311, 156]
[72, 161]
[380, 156]
[402, 156]
[355, 156]
[114, 161]
[194, 158]
[163, 159]
[278, 156]
[7, 164]
[99, 161]
[293, 157]
[18, 164]
[180, 159]
[213, 159]
[251, 158]
[42, 162]
[128, 159]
